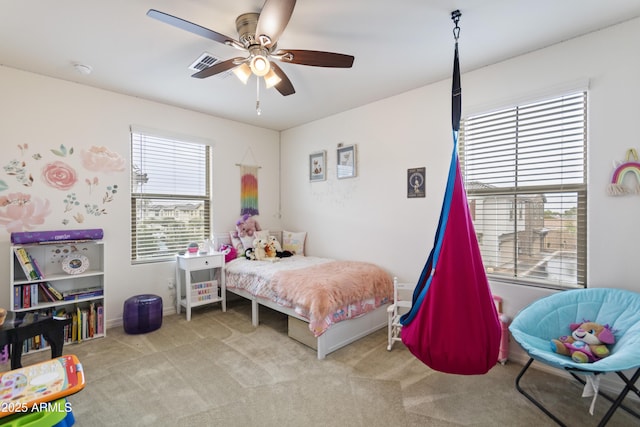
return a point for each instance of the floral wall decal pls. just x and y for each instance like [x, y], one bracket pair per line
[20, 211]
[18, 169]
[100, 159]
[111, 191]
[62, 151]
[70, 202]
[92, 183]
[60, 169]
[59, 175]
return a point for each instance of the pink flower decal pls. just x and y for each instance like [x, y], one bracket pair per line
[59, 175]
[100, 159]
[20, 212]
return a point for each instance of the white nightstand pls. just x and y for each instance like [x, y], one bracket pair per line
[201, 282]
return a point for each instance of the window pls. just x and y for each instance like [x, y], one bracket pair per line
[525, 174]
[170, 195]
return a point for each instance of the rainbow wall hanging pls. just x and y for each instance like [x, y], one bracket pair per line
[631, 167]
[249, 190]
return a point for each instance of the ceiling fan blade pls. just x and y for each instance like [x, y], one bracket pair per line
[315, 58]
[284, 87]
[273, 19]
[218, 68]
[190, 26]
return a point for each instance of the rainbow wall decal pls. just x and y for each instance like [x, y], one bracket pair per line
[617, 187]
[249, 190]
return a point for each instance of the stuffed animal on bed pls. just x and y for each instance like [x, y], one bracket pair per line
[247, 225]
[278, 248]
[264, 250]
[587, 342]
[230, 253]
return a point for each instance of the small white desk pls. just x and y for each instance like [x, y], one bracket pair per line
[206, 289]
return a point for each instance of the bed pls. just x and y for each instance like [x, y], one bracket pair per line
[330, 303]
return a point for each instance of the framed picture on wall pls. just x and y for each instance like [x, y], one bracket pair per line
[346, 166]
[318, 166]
[416, 182]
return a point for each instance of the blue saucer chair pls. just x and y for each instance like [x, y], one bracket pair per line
[550, 317]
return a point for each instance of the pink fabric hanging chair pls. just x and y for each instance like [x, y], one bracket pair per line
[453, 325]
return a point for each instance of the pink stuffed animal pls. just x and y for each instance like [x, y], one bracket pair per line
[587, 342]
[247, 226]
[230, 253]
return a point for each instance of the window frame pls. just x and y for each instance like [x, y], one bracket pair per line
[520, 193]
[203, 201]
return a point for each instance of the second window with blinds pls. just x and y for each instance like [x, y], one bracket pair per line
[170, 195]
[525, 174]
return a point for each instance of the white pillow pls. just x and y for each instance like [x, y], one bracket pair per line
[247, 241]
[294, 241]
[236, 243]
[262, 234]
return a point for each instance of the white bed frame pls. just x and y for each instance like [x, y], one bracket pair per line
[337, 336]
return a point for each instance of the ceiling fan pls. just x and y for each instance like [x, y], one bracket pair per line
[258, 37]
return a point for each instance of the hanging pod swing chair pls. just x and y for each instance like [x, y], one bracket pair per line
[453, 325]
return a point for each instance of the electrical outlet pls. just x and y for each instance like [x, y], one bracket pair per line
[171, 282]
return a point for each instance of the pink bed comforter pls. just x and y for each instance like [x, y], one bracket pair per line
[322, 289]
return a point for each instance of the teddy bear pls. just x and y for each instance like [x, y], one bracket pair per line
[587, 342]
[247, 225]
[258, 250]
[246, 228]
[264, 250]
[270, 247]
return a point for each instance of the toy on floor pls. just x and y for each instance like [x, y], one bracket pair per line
[35, 386]
[587, 343]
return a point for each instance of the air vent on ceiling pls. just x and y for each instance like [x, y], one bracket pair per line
[205, 60]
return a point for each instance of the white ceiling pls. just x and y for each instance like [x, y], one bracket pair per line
[398, 46]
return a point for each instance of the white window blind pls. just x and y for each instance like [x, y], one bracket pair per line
[525, 174]
[170, 195]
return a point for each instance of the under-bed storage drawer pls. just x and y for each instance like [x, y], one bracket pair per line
[299, 331]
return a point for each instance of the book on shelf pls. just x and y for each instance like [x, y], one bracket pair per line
[79, 316]
[17, 297]
[99, 319]
[26, 296]
[48, 296]
[36, 267]
[25, 263]
[34, 294]
[56, 293]
[75, 294]
[29, 264]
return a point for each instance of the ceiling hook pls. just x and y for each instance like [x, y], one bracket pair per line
[455, 16]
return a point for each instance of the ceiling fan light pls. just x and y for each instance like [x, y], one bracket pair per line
[243, 72]
[271, 79]
[259, 65]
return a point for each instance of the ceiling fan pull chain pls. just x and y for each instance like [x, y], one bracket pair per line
[455, 16]
[258, 110]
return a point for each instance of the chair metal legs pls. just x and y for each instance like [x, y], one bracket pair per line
[534, 401]
[616, 402]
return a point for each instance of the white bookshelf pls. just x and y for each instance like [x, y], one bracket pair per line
[76, 270]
